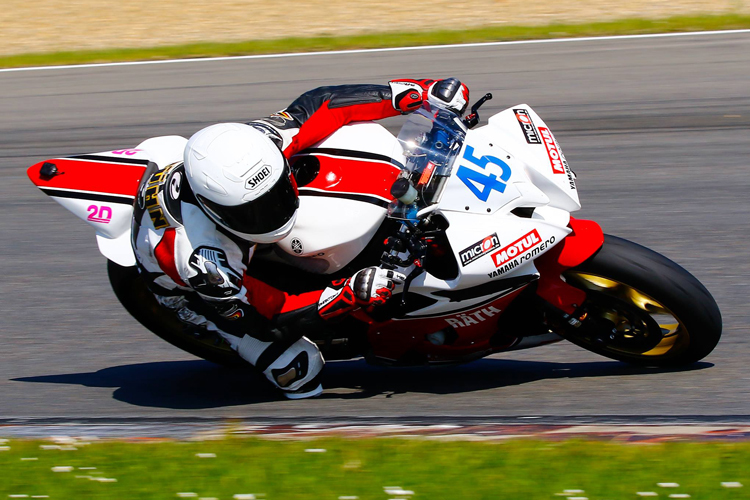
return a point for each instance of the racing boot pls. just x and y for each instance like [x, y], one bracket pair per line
[294, 367]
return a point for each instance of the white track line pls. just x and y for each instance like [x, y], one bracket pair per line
[368, 51]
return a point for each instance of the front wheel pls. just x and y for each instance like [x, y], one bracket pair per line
[642, 308]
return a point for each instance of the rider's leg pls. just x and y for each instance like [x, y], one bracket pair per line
[293, 366]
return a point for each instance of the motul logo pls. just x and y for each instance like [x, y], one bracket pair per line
[518, 247]
[555, 156]
[527, 126]
[478, 249]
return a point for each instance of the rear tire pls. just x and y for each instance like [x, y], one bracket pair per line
[642, 308]
[133, 294]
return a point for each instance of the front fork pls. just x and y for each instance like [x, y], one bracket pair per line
[581, 244]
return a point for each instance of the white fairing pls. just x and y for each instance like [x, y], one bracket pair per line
[542, 157]
[508, 246]
[316, 247]
[496, 171]
[163, 150]
[331, 231]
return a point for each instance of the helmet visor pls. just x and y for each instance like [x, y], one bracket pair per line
[263, 215]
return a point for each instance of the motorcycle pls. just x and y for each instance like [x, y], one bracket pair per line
[478, 218]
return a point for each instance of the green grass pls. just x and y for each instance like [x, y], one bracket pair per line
[379, 40]
[433, 470]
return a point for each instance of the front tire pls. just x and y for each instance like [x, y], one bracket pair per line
[642, 308]
[133, 294]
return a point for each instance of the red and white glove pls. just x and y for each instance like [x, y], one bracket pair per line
[367, 289]
[449, 93]
[408, 95]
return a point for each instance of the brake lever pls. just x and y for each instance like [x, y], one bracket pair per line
[472, 120]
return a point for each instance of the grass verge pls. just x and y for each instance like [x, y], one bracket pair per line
[380, 40]
[364, 468]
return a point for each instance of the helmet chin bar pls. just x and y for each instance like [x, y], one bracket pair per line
[266, 238]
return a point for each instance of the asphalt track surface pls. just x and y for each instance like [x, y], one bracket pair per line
[658, 131]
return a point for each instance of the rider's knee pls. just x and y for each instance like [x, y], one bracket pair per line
[292, 366]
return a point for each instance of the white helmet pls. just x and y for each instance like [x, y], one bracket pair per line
[242, 181]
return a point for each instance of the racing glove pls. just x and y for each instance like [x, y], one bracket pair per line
[367, 289]
[408, 95]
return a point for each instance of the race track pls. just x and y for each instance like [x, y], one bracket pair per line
[657, 129]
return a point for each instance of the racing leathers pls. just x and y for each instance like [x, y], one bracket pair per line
[199, 270]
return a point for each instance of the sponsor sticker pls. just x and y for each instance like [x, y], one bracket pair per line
[472, 318]
[297, 246]
[151, 200]
[556, 158]
[479, 249]
[518, 247]
[553, 152]
[527, 126]
[174, 185]
[523, 249]
[258, 178]
[128, 152]
[234, 313]
[101, 214]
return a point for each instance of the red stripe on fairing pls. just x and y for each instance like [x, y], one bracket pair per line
[349, 175]
[97, 177]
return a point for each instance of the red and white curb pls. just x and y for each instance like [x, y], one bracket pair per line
[635, 433]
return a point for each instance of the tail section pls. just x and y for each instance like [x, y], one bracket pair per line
[99, 189]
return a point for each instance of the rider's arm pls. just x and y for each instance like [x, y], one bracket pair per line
[213, 263]
[318, 113]
[269, 313]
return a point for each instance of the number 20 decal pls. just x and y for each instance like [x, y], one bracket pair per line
[471, 178]
[102, 214]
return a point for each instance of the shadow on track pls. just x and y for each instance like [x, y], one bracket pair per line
[200, 384]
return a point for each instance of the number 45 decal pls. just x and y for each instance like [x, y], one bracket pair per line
[488, 182]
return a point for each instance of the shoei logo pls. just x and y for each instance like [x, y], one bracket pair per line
[527, 126]
[258, 178]
[478, 249]
[518, 247]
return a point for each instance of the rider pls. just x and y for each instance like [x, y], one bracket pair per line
[196, 224]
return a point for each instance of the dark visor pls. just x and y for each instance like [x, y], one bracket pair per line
[260, 216]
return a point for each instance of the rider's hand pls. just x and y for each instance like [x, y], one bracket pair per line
[408, 95]
[373, 286]
[368, 288]
[449, 93]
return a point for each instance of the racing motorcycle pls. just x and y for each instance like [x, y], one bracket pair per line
[478, 218]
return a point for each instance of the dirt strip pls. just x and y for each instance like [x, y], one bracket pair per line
[50, 25]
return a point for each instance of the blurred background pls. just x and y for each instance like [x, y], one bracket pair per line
[52, 25]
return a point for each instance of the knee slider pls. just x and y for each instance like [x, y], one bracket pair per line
[288, 365]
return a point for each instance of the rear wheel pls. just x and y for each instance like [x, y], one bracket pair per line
[642, 308]
[133, 294]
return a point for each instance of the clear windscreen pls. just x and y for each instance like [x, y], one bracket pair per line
[429, 142]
